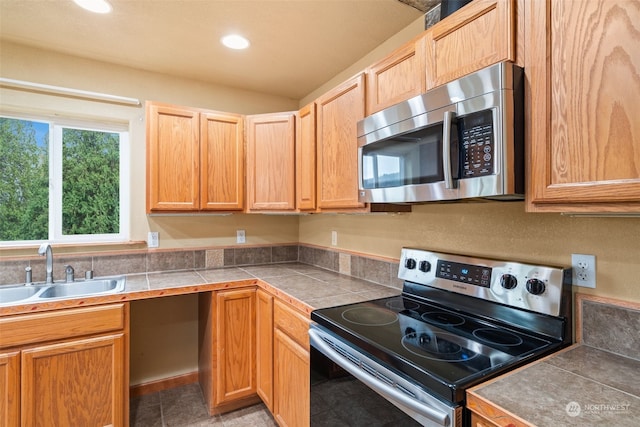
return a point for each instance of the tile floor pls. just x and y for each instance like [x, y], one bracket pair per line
[184, 406]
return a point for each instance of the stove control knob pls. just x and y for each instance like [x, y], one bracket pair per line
[535, 286]
[410, 263]
[425, 266]
[424, 339]
[508, 281]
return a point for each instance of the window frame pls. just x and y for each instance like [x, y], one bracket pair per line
[55, 158]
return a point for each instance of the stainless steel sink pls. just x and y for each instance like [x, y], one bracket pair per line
[13, 295]
[84, 288]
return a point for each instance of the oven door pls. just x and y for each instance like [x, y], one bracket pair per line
[411, 399]
[410, 161]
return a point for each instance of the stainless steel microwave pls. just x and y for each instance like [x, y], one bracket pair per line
[461, 140]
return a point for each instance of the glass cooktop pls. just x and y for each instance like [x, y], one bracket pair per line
[445, 351]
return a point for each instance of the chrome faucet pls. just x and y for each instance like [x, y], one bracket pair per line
[45, 250]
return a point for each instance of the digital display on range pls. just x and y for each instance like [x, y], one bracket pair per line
[464, 273]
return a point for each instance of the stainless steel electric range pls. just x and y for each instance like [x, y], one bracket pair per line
[459, 321]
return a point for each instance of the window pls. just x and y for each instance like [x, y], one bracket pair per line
[63, 181]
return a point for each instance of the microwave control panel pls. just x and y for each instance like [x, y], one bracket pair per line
[477, 145]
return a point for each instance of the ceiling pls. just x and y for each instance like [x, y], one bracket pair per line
[296, 45]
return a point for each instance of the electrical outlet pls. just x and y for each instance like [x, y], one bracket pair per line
[334, 238]
[240, 236]
[584, 270]
[153, 241]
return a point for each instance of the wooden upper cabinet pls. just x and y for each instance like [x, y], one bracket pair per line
[398, 77]
[195, 159]
[306, 158]
[271, 162]
[583, 70]
[222, 161]
[339, 111]
[480, 34]
[173, 158]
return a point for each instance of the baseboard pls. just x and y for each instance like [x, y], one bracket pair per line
[163, 384]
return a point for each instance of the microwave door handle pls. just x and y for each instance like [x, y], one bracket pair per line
[446, 149]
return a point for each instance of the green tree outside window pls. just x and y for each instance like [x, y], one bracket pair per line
[90, 180]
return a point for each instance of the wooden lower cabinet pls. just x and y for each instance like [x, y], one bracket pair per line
[10, 389]
[291, 371]
[291, 381]
[485, 414]
[264, 346]
[83, 380]
[478, 421]
[227, 356]
[254, 346]
[75, 383]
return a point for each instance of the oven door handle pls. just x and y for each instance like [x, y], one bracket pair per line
[446, 149]
[377, 385]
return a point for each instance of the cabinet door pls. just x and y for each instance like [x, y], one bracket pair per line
[480, 34]
[291, 382]
[10, 389]
[222, 161]
[291, 367]
[339, 111]
[173, 158]
[235, 345]
[484, 413]
[478, 421]
[582, 64]
[271, 162]
[264, 345]
[75, 383]
[306, 158]
[397, 77]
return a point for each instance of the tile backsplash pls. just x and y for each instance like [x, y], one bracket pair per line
[370, 269]
[611, 327]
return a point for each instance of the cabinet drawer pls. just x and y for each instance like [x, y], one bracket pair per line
[62, 324]
[292, 323]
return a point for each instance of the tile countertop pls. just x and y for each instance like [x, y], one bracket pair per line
[304, 286]
[580, 385]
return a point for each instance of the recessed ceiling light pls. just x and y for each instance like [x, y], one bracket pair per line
[97, 6]
[235, 41]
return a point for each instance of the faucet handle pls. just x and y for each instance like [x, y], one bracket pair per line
[28, 276]
[69, 272]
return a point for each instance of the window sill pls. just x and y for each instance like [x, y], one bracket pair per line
[71, 248]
